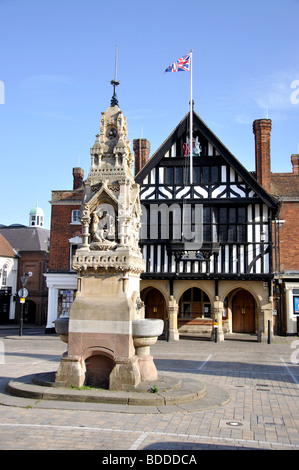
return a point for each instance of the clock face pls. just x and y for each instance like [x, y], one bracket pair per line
[111, 133]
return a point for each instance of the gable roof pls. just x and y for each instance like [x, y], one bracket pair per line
[285, 185]
[206, 132]
[27, 238]
[6, 249]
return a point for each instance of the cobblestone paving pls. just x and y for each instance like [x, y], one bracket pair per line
[262, 413]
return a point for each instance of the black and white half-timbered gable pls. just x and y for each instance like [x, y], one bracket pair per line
[206, 237]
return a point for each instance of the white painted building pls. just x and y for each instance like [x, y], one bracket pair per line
[8, 281]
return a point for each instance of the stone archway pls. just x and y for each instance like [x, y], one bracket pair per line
[243, 312]
[154, 302]
[99, 364]
[98, 370]
[194, 301]
[195, 312]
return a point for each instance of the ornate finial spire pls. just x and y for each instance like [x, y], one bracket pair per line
[114, 101]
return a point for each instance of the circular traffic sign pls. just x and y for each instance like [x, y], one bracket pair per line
[23, 292]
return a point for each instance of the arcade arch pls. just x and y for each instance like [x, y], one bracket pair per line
[154, 303]
[198, 307]
[240, 308]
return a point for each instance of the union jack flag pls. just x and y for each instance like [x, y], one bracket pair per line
[181, 65]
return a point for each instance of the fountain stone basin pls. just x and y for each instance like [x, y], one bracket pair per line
[62, 328]
[145, 333]
[147, 327]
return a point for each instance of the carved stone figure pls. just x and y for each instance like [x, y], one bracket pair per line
[103, 233]
[103, 226]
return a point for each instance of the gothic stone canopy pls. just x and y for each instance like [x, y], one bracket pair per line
[111, 211]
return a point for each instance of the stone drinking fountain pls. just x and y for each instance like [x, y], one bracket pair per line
[107, 335]
[108, 339]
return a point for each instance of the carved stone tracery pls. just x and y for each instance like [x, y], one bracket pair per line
[111, 211]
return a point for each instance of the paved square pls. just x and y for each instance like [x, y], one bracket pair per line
[262, 413]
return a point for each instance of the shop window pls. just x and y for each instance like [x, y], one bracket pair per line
[65, 300]
[296, 301]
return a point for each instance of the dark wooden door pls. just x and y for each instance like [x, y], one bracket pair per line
[154, 305]
[4, 308]
[243, 313]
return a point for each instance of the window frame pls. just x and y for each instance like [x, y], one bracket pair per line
[76, 217]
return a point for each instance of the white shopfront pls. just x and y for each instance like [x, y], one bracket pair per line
[62, 289]
[292, 306]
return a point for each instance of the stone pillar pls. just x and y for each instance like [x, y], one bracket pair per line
[173, 319]
[260, 325]
[217, 309]
[108, 265]
[125, 375]
[265, 313]
[71, 371]
[148, 370]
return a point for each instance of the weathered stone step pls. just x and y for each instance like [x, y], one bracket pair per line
[168, 391]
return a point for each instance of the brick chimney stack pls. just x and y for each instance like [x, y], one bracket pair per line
[262, 131]
[78, 175]
[295, 163]
[141, 148]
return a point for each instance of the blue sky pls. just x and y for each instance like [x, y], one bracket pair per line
[57, 60]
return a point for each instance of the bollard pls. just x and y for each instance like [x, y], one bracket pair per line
[21, 318]
[269, 332]
[216, 325]
[298, 325]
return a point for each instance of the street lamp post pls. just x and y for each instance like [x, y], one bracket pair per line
[23, 294]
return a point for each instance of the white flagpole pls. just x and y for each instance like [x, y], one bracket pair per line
[191, 123]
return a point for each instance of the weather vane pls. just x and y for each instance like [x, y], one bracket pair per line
[115, 82]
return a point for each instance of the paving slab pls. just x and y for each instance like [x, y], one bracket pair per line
[248, 383]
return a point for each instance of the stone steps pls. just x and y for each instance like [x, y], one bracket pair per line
[168, 391]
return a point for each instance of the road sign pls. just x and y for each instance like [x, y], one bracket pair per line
[23, 292]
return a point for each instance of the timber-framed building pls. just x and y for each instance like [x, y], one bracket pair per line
[207, 243]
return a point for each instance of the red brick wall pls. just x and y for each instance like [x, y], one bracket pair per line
[61, 231]
[36, 262]
[78, 175]
[289, 237]
[262, 131]
[141, 148]
[295, 163]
